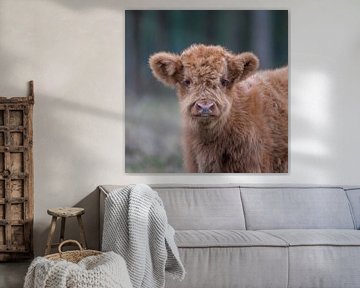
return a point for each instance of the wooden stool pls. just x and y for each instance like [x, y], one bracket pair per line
[64, 213]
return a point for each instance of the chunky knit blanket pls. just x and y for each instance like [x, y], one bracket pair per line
[102, 271]
[136, 227]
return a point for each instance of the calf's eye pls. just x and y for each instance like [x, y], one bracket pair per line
[224, 82]
[186, 82]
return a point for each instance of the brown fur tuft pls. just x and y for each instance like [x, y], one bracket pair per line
[166, 67]
[242, 66]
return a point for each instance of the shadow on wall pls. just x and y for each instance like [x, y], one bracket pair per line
[91, 4]
[71, 166]
[124, 4]
[7, 63]
[70, 153]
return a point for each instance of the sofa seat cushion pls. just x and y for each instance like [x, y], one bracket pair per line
[317, 237]
[322, 258]
[225, 267]
[225, 238]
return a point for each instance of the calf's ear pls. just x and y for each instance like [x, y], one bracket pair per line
[242, 66]
[166, 67]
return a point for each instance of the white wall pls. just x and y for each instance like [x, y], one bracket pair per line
[74, 51]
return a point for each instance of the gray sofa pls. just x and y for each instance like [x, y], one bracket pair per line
[242, 236]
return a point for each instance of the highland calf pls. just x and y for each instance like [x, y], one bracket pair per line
[234, 120]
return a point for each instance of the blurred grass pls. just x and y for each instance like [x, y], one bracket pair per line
[152, 135]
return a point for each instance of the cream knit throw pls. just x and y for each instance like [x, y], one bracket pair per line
[136, 227]
[103, 271]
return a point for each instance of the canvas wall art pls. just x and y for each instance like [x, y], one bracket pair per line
[206, 91]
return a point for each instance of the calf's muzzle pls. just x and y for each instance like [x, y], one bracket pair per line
[204, 108]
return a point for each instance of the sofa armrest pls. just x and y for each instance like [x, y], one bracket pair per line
[103, 195]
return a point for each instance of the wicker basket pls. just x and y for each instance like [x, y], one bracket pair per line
[72, 256]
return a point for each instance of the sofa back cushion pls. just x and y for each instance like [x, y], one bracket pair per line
[203, 208]
[296, 208]
[354, 198]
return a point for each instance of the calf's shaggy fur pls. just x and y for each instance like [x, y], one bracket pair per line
[234, 120]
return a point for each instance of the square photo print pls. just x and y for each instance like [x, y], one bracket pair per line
[206, 91]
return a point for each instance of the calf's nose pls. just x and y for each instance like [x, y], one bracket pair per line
[204, 107]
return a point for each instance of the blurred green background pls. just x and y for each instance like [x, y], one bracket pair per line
[152, 119]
